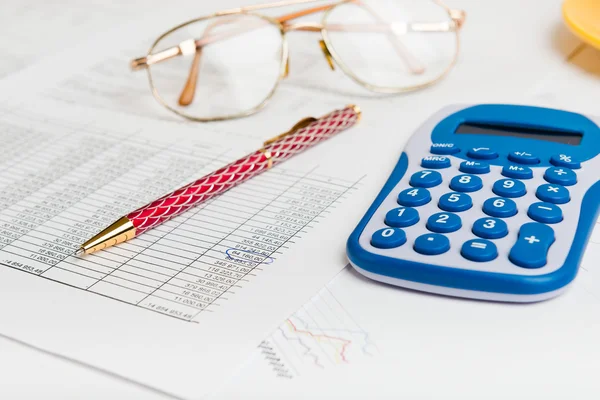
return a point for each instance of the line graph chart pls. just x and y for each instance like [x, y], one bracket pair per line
[321, 335]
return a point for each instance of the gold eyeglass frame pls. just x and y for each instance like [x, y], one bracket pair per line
[455, 22]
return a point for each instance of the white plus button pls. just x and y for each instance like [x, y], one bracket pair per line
[560, 171]
[532, 239]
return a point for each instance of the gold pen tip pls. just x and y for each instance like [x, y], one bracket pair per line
[357, 110]
[79, 251]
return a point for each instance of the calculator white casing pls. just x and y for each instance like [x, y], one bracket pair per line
[452, 274]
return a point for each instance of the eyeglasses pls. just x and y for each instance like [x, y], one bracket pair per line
[229, 64]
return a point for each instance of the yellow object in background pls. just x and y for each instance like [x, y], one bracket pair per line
[583, 18]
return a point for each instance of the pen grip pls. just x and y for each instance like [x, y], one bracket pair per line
[218, 182]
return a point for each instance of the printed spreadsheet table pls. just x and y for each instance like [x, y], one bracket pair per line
[58, 189]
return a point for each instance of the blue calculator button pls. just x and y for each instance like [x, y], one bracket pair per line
[435, 162]
[531, 248]
[547, 213]
[499, 207]
[444, 148]
[509, 188]
[414, 197]
[517, 172]
[490, 228]
[466, 183]
[388, 238]
[479, 250]
[474, 167]
[455, 202]
[553, 193]
[444, 223]
[431, 244]
[523, 157]
[482, 153]
[425, 179]
[402, 217]
[560, 175]
[565, 160]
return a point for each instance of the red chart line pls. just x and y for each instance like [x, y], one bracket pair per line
[345, 343]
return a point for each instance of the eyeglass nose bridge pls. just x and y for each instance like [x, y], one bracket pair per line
[308, 27]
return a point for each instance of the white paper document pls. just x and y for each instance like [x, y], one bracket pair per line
[178, 308]
[228, 271]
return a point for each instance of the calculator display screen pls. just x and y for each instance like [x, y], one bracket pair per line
[572, 138]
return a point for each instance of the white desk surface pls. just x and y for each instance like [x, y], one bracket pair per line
[510, 50]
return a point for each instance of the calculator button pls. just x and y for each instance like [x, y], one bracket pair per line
[474, 167]
[565, 160]
[479, 250]
[466, 183]
[455, 202]
[414, 197]
[444, 148]
[482, 153]
[553, 193]
[499, 207]
[531, 248]
[490, 228]
[509, 188]
[435, 162]
[523, 157]
[517, 172]
[444, 223]
[388, 238]
[431, 244]
[402, 217]
[425, 179]
[544, 212]
[560, 175]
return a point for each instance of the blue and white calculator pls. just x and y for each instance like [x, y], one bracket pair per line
[493, 202]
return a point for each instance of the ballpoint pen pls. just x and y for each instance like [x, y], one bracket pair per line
[306, 133]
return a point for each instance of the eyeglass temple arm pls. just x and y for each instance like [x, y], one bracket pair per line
[189, 89]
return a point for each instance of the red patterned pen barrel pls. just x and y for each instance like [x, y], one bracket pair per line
[218, 182]
[223, 179]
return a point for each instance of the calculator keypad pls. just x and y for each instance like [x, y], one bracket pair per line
[492, 216]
